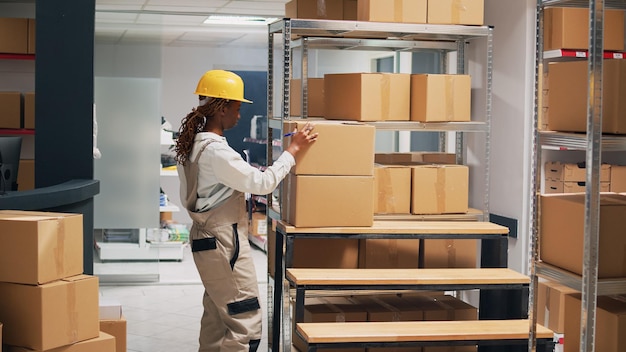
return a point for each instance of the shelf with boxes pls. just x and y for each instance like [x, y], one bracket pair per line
[579, 129]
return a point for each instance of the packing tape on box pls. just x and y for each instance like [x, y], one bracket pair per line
[449, 98]
[321, 8]
[440, 189]
[396, 314]
[385, 96]
[60, 250]
[397, 10]
[72, 312]
[458, 8]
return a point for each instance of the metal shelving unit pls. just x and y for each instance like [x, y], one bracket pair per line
[593, 143]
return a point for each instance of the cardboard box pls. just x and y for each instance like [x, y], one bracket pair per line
[389, 253]
[13, 36]
[32, 35]
[571, 187]
[392, 189]
[570, 172]
[367, 96]
[568, 28]
[411, 158]
[116, 328]
[258, 224]
[344, 148]
[315, 9]
[470, 12]
[561, 233]
[401, 11]
[566, 105]
[51, 315]
[450, 253]
[26, 175]
[10, 110]
[440, 97]
[388, 308]
[610, 331]
[51, 244]
[618, 178]
[315, 97]
[103, 343]
[350, 10]
[321, 201]
[29, 110]
[551, 305]
[439, 189]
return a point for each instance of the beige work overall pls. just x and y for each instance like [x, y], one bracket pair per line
[219, 243]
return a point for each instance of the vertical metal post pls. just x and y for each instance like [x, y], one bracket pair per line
[489, 78]
[305, 77]
[271, 294]
[460, 69]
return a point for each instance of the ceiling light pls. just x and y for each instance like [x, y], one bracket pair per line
[239, 20]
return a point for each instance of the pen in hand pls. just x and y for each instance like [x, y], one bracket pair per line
[289, 134]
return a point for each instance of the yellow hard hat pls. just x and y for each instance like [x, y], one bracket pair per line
[221, 84]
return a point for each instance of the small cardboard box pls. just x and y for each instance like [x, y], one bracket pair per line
[401, 11]
[258, 224]
[551, 305]
[440, 97]
[32, 34]
[10, 110]
[13, 36]
[469, 12]
[26, 175]
[52, 315]
[343, 148]
[367, 96]
[561, 233]
[568, 28]
[315, 97]
[573, 172]
[389, 253]
[392, 189]
[552, 186]
[618, 178]
[51, 244]
[116, 328]
[411, 158]
[322, 201]
[29, 110]
[450, 253]
[610, 331]
[103, 343]
[439, 189]
[315, 9]
[388, 308]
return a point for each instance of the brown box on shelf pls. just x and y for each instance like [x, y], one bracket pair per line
[10, 110]
[573, 172]
[618, 178]
[32, 35]
[392, 189]
[438, 307]
[562, 230]
[610, 320]
[439, 189]
[116, 328]
[450, 253]
[344, 148]
[315, 97]
[43, 317]
[322, 201]
[388, 308]
[408, 158]
[29, 110]
[258, 224]
[568, 28]
[552, 186]
[315, 9]
[567, 96]
[401, 11]
[26, 175]
[388, 253]
[51, 244]
[440, 97]
[350, 10]
[14, 36]
[367, 96]
[551, 305]
[103, 343]
[469, 12]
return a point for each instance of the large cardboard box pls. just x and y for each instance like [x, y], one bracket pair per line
[367, 96]
[103, 343]
[618, 178]
[322, 201]
[402, 11]
[14, 36]
[10, 109]
[566, 103]
[610, 330]
[51, 315]
[440, 97]
[450, 253]
[570, 172]
[409, 158]
[392, 189]
[343, 148]
[26, 175]
[469, 12]
[551, 305]
[32, 35]
[568, 28]
[315, 9]
[439, 189]
[51, 244]
[389, 253]
[29, 110]
[561, 233]
[116, 328]
[315, 97]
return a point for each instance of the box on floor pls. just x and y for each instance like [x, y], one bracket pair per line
[118, 329]
[610, 331]
[103, 343]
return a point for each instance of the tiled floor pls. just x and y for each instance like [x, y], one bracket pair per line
[165, 316]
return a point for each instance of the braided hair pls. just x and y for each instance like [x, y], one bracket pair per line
[194, 123]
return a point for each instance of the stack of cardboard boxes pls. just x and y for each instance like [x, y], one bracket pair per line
[46, 302]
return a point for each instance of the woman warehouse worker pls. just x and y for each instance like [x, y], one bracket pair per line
[213, 180]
